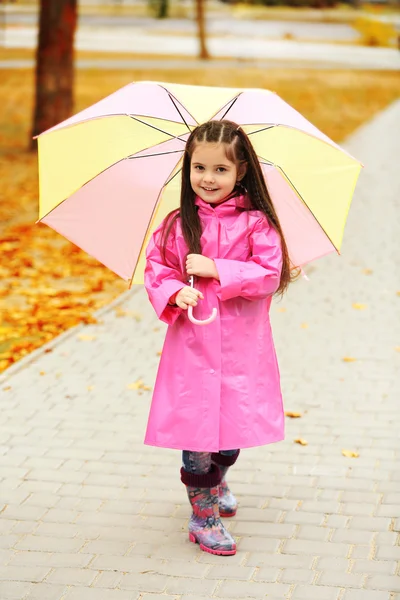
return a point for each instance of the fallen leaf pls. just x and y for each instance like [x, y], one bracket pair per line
[86, 338]
[282, 309]
[121, 312]
[6, 389]
[42, 373]
[397, 348]
[367, 271]
[301, 442]
[348, 359]
[293, 415]
[304, 325]
[135, 386]
[358, 306]
[350, 453]
[159, 353]
[48, 350]
[139, 385]
[90, 388]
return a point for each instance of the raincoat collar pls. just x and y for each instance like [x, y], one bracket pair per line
[228, 206]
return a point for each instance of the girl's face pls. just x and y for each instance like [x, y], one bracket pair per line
[212, 175]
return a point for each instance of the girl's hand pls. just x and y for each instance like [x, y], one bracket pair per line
[197, 264]
[188, 296]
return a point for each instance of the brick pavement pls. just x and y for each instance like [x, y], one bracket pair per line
[80, 495]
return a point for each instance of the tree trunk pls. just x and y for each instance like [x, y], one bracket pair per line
[201, 28]
[54, 64]
[162, 9]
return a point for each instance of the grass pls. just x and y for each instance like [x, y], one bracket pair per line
[48, 285]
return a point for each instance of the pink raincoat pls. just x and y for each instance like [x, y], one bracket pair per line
[217, 385]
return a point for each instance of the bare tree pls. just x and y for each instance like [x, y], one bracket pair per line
[54, 64]
[201, 28]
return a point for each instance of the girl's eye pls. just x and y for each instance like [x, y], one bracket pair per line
[198, 168]
[221, 169]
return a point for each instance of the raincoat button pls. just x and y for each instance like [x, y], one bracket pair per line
[212, 371]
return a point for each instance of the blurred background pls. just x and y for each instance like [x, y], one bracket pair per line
[336, 63]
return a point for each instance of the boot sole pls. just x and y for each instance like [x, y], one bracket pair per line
[193, 539]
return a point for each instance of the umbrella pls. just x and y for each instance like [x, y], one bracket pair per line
[111, 173]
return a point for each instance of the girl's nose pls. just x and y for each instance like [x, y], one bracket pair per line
[208, 177]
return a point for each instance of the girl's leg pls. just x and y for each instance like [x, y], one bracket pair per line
[227, 501]
[196, 462]
[202, 478]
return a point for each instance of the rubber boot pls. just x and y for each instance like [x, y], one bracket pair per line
[226, 500]
[205, 525]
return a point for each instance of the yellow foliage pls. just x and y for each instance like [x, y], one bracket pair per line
[376, 33]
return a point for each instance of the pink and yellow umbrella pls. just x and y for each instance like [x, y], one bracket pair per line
[111, 173]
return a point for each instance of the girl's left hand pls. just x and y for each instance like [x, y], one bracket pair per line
[197, 264]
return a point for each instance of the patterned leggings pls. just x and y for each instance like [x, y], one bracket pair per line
[199, 463]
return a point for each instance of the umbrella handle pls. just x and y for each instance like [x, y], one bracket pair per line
[193, 319]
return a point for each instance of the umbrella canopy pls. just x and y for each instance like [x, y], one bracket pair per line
[111, 173]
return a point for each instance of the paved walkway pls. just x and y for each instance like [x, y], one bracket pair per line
[255, 48]
[89, 513]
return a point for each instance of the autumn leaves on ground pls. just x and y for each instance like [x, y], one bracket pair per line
[47, 284]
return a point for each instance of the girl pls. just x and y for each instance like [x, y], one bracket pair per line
[217, 388]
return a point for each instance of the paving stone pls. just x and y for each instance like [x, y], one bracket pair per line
[366, 595]
[14, 590]
[315, 592]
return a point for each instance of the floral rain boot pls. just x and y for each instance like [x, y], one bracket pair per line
[205, 525]
[226, 500]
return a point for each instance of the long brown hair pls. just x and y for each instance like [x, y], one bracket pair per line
[239, 150]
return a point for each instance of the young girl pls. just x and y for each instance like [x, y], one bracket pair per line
[217, 387]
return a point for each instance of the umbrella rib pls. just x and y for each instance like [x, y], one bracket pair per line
[176, 137]
[302, 199]
[171, 178]
[179, 112]
[262, 129]
[132, 157]
[228, 109]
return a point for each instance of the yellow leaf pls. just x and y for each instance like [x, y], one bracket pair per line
[146, 388]
[359, 306]
[159, 353]
[304, 325]
[121, 312]
[135, 386]
[8, 387]
[397, 348]
[90, 388]
[367, 271]
[348, 359]
[42, 373]
[301, 442]
[293, 415]
[282, 309]
[86, 338]
[350, 453]
[398, 293]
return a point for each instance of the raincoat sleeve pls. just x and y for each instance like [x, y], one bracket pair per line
[259, 277]
[162, 281]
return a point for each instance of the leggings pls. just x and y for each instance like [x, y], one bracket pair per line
[199, 463]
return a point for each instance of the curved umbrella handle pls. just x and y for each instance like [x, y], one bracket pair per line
[193, 319]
